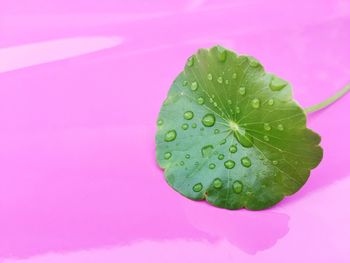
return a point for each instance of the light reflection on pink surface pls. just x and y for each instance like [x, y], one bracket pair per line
[18, 57]
[78, 178]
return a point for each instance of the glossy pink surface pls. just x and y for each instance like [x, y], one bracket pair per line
[81, 84]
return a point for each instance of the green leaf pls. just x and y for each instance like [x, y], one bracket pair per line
[231, 133]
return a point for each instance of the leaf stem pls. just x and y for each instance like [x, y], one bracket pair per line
[328, 101]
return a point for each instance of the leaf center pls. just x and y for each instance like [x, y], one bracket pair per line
[233, 125]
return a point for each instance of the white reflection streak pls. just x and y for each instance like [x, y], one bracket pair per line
[22, 56]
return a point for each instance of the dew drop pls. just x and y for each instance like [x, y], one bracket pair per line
[267, 127]
[182, 163]
[184, 126]
[221, 156]
[194, 125]
[212, 166]
[160, 122]
[237, 186]
[255, 103]
[233, 148]
[266, 138]
[238, 110]
[226, 82]
[253, 63]
[170, 136]
[194, 85]
[241, 91]
[270, 102]
[229, 102]
[190, 61]
[217, 183]
[277, 84]
[244, 139]
[215, 104]
[211, 100]
[200, 101]
[185, 83]
[167, 155]
[222, 54]
[216, 131]
[219, 80]
[197, 187]
[187, 156]
[246, 162]
[229, 164]
[223, 141]
[188, 115]
[280, 127]
[234, 75]
[207, 150]
[210, 76]
[275, 162]
[208, 120]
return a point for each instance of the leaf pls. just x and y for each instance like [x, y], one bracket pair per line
[231, 133]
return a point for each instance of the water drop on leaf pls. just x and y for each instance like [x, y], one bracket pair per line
[207, 150]
[194, 86]
[233, 148]
[170, 136]
[188, 115]
[190, 61]
[160, 122]
[212, 166]
[223, 141]
[208, 120]
[244, 139]
[255, 103]
[280, 127]
[254, 63]
[241, 91]
[237, 187]
[167, 155]
[200, 101]
[217, 183]
[221, 156]
[267, 127]
[221, 54]
[229, 164]
[197, 187]
[246, 162]
[277, 84]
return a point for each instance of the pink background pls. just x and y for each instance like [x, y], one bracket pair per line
[81, 84]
